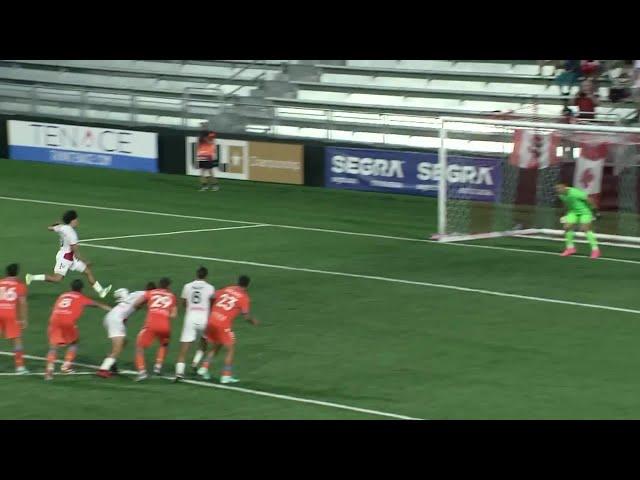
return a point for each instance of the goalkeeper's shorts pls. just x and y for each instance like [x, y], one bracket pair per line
[573, 218]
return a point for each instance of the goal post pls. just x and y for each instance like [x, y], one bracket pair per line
[519, 163]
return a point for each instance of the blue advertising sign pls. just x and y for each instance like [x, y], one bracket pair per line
[417, 173]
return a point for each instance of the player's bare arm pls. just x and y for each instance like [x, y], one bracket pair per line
[250, 319]
[101, 306]
[22, 312]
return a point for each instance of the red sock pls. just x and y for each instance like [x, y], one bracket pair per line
[205, 364]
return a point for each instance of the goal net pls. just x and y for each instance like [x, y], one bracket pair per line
[507, 186]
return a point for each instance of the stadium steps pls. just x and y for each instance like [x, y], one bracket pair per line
[460, 95]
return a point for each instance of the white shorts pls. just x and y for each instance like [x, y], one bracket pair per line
[114, 323]
[63, 265]
[194, 326]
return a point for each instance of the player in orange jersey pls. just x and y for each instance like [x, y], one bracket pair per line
[62, 326]
[228, 304]
[161, 308]
[13, 313]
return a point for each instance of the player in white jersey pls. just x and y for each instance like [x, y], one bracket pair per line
[68, 257]
[115, 324]
[196, 298]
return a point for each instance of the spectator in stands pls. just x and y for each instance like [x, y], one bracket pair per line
[586, 100]
[567, 79]
[590, 68]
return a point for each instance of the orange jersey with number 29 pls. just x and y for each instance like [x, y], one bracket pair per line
[160, 303]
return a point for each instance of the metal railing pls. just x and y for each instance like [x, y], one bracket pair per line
[270, 117]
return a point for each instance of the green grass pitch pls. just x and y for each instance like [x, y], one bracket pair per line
[394, 336]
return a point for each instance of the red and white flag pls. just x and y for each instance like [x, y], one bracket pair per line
[532, 149]
[589, 167]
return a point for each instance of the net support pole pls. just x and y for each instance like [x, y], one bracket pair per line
[442, 182]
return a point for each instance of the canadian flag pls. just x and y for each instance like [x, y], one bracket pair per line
[589, 166]
[532, 149]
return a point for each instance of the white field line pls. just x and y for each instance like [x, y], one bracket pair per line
[244, 390]
[312, 229]
[372, 277]
[13, 374]
[177, 232]
[542, 252]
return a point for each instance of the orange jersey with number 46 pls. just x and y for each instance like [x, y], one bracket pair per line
[229, 303]
[160, 303]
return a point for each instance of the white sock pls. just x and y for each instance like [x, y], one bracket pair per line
[180, 368]
[97, 287]
[107, 363]
[38, 278]
[197, 357]
[157, 366]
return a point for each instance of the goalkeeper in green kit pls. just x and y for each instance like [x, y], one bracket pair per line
[580, 211]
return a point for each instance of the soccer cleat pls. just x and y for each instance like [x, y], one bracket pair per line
[204, 373]
[228, 379]
[104, 373]
[194, 369]
[157, 369]
[568, 251]
[142, 376]
[114, 369]
[203, 189]
[22, 371]
[595, 253]
[178, 378]
[67, 370]
[215, 188]
[105, 291]
[28, 278]
[48, 375]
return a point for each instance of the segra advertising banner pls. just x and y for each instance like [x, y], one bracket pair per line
[418, 173]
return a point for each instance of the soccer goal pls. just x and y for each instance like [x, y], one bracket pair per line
[507, 186]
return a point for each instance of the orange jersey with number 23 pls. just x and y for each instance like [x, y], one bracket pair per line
[229, 303]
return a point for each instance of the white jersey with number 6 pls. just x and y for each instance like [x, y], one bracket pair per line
[198, 295]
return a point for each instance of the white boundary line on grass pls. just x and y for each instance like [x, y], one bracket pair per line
[313, 229]
[173, 233]
[373, 277]
[14, 374]
[243, 390]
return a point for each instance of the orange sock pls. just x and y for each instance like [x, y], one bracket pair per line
[51, 359]
[205, 364]
[162, 353]
[19, 358]
[226, 371]
[140, 361]
[70, 356]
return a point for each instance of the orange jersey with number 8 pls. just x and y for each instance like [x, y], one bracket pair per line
[229, 303]
[160, 303]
